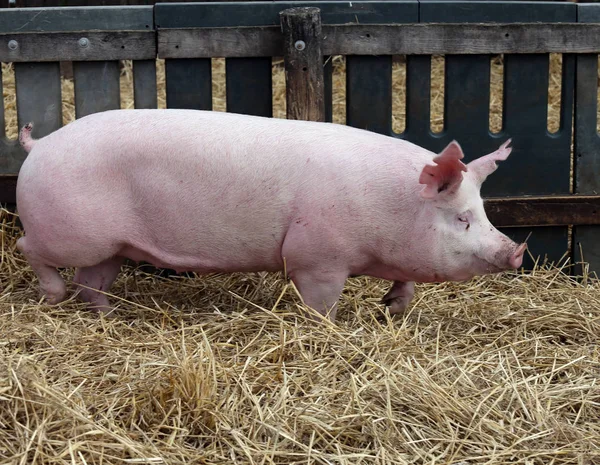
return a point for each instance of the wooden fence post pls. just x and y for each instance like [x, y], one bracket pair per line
[304, 76]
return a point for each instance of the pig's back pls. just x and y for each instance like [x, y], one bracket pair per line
[220, 141]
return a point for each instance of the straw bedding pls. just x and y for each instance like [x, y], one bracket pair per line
[225, 369]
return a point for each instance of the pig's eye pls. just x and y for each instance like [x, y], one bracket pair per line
[465, 221]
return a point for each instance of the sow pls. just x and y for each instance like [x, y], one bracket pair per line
[220, 192]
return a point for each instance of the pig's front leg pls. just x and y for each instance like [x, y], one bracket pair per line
[399, 296]
[320, 291]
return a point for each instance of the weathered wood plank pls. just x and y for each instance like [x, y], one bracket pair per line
[561, 210]
[388, 39]
[303, 59]
[77, 46]
[465, 39]
[230, 42]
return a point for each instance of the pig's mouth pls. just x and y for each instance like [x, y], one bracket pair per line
[486, 267]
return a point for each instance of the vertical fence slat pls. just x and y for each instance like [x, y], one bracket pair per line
[144, 84]
[369, 93]
[249, 89]
[525, 120]
[328, 81]
[38, 100]
[418, 98]
[2, 115]
[96, 86]
[189, 83]
[526, 94]
[587, 142]
[467, 94]
[586, 239]
[39, 96]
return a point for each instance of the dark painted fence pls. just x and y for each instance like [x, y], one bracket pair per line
[532, 190]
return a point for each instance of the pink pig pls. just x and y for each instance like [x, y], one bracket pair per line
[220, 192]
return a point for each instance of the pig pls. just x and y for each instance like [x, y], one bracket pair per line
[207, 191]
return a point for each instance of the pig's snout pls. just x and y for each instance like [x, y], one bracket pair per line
[516, 259]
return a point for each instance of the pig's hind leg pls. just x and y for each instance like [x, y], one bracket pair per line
[52, 286]
[95, 281]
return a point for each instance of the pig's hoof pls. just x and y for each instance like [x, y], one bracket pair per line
[53, 297]
[397, 305]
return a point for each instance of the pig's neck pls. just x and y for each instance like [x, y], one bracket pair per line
[403, 246]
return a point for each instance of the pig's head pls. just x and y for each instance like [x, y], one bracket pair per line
[465, 243]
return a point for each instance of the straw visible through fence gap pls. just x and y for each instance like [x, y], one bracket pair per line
[126, 85]
[338, 89]
[496, 93]
[279, 88]
[554, 91]
[9, 100]
[438, 85]
[399, 94]
[219, 87]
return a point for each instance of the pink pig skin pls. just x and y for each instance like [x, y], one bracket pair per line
[220, 192]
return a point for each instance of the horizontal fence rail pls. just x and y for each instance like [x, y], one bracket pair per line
[77, 46]
[531, 191]
[386, 39]
[262, 41]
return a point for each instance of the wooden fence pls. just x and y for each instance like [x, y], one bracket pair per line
[534, 191]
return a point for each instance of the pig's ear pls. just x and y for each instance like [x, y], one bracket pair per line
[486, 165]
[446, 175]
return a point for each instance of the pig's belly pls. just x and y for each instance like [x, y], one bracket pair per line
[207, 258]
